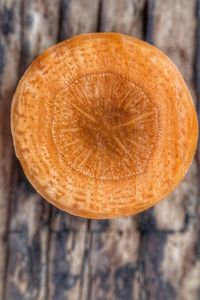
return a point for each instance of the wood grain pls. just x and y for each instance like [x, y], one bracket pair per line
[9, 48]
[115, 245]
[26, 276]
[175, 219]
[47, 254]
[70, 236]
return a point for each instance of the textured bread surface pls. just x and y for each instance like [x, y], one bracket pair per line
[103, 125]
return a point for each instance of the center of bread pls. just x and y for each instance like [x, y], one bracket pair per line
[104, 126]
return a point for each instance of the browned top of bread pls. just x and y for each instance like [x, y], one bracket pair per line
[103, 125]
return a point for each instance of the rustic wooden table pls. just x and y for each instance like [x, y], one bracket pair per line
[47, 254]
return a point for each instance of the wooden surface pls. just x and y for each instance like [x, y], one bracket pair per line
[47, 254]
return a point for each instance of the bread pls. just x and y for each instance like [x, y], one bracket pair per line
[103, 125]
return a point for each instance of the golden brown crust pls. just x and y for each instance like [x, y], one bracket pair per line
[103, 125]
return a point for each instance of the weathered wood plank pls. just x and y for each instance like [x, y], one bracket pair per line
[197, 69]
[10, 31]
[169, 231]
[122, 16]
[29, 217]
[115, 244]
[114, 260]
[149, 21]
[70, 236]
[197, 77]
[68, 255]
[78, 16]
